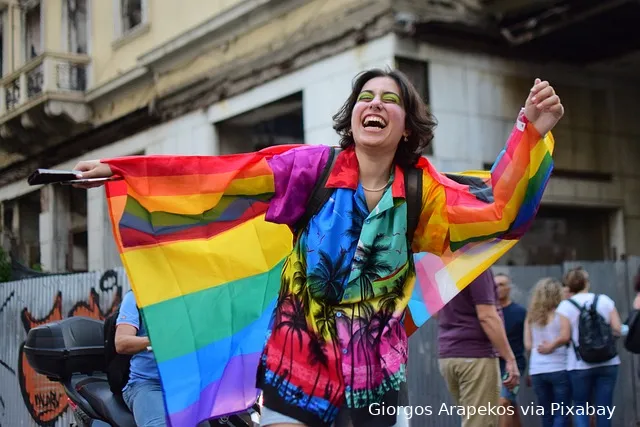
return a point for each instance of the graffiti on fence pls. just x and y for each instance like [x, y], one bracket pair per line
[46, 400]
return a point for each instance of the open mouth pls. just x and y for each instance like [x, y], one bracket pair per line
[374, 123]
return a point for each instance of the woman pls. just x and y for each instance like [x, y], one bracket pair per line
[591, 383]
[548, 372]
[337, 337]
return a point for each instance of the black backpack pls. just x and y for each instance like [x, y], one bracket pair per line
[117, 365]
[596, 342]
[320, 194]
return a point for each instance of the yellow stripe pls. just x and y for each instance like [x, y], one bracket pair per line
[197, 203]
[537, 155]
[482, 258]
[465, 231]
[168, 271]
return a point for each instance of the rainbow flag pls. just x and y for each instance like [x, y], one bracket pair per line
[205, 269]
[205, 265]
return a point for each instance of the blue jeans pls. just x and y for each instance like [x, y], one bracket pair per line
[593, 386]
[553, 387]
[146, 402]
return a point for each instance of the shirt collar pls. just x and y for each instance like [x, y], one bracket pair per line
[345, 174]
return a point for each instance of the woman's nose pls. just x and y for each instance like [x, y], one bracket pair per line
[375, 104]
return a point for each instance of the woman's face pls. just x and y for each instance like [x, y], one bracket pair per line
[378, 118]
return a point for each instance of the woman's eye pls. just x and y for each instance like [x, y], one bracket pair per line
[391, 98]
[365, 97]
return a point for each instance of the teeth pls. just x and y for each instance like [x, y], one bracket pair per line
[370, 119]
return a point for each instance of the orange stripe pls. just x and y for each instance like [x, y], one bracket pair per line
[182, 185]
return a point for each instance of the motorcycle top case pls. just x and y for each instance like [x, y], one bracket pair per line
[60, 349]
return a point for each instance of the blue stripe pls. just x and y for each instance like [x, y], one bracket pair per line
[185, 377]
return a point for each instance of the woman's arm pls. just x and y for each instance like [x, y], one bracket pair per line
[563, 337]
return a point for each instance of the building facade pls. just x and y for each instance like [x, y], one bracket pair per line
[99, 78]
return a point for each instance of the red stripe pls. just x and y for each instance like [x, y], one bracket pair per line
[133, 238]
[141, 166]
[116, 189]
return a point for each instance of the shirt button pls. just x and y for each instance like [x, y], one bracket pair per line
[339, 314]
[344, 351]
[367, 220]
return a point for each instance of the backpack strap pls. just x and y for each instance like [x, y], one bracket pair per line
[575, 303]
[413, 193]
[320, 194]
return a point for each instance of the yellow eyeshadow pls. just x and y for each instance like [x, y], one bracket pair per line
[392, 98]
[365, 95]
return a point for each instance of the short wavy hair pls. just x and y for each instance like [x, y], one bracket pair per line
[419, 121]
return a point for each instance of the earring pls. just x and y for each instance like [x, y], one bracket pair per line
[406, 139]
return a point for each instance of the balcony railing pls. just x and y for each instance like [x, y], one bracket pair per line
[49, 73]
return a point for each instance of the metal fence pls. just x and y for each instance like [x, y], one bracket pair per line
[28, 399]
[427, 388]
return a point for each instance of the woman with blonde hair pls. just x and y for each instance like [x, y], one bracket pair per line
[543, 326]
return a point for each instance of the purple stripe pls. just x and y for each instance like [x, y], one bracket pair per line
[295, 173]
[225, 396]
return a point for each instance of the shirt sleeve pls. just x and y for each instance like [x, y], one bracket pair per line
[481, 206]
[566, 309]
[483, 289]
[129, 314]
[469, 220]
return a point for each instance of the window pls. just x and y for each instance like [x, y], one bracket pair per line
[418, 73]
[32, 30]
[276, 123]
[76, 23]
[131, 14]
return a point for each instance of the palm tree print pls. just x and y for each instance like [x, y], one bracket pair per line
[327, 279]
[370, 259]
[291, 320]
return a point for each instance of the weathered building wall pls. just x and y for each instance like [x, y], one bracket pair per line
[476, 97]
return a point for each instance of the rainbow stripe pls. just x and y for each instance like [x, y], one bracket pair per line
[205, 268]
[477, 217]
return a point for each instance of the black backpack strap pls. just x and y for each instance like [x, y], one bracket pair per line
[320, 194]
[575, 303]
[413, 193]
[595, 302]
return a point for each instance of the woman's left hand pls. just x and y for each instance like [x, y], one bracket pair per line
[543, 107]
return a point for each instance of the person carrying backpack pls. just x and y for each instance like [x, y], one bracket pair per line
[592, 359]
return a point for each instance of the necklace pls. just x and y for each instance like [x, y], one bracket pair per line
[375, 190]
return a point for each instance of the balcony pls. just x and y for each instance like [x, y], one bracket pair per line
[44, 102]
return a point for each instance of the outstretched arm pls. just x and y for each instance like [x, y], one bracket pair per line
[469, 220]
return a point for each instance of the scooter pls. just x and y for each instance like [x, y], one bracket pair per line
[71, 352]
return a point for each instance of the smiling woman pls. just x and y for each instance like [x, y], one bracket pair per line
[320, 326]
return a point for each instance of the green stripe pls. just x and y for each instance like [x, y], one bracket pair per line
[533, 186]
[161, 219]
[196, 320]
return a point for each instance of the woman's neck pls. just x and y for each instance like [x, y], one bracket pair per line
[375, 167]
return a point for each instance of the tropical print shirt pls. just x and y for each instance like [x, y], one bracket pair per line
[338, 334]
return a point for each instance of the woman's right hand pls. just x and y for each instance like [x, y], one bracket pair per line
[92, 169]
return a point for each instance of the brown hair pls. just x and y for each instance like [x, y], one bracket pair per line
[576, 279]
[419, 121]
